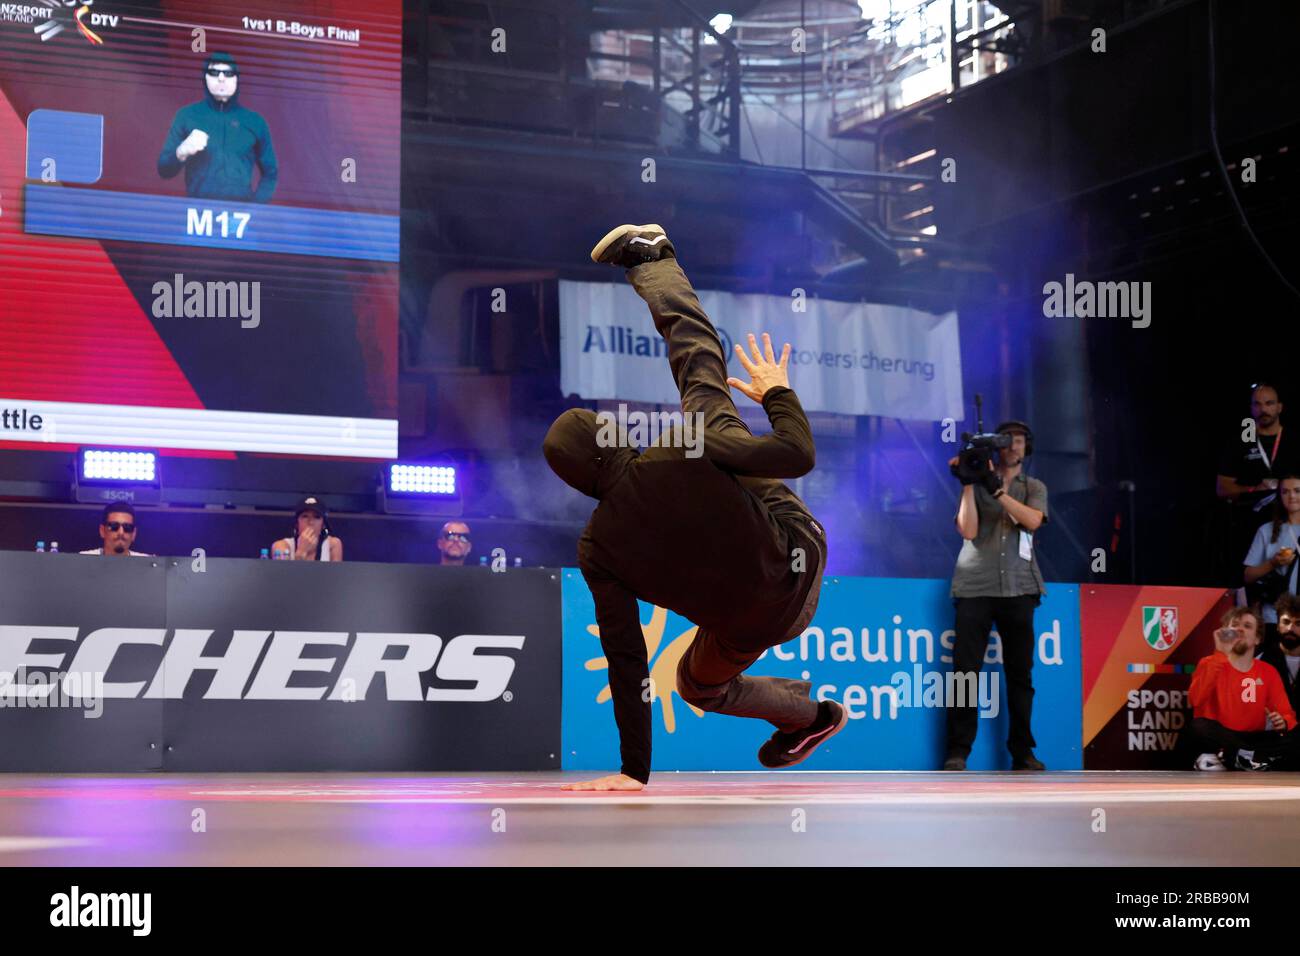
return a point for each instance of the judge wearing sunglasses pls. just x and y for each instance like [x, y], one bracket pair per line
[454, 542]
[117, 532]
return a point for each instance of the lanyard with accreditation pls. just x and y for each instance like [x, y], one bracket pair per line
[1269, 458]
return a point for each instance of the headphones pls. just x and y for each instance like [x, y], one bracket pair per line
[1013, 425]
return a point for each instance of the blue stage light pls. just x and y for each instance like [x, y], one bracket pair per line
[421, 488]
[422, 480]
[103, 465]
[115, 474]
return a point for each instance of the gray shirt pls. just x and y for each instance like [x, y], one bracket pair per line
[990, 564]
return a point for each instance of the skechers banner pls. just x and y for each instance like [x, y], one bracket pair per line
[221, 664]
[846, 357]
[880, 646]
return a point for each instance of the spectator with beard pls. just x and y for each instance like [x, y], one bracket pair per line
[1250, 464]
[117, 531]
[1241, 717]
[1285, 654]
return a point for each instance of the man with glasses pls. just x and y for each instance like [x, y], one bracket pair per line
[117, 532]
[454, 542]
[218, 141]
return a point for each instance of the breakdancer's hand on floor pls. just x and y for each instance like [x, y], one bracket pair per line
[765, 371]
[615, 781]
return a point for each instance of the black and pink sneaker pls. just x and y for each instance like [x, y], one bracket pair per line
[785, 750]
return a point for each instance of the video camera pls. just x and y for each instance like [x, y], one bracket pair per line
[977, 452]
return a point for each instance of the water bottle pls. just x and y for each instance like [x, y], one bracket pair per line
[519, 562]
[54, 547]
[280, 554]
[266, 554]
[482, 561]
[40, 547]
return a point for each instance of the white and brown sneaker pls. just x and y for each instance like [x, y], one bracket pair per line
[629, 246]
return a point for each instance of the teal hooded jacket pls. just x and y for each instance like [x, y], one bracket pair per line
[238, 140]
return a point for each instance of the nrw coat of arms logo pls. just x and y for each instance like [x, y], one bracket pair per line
[1160, 627]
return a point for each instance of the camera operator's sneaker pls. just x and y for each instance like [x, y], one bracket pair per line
[1210, 762]
[786, 750]
[629, 246]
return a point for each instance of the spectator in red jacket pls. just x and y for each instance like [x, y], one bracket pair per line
[1240, 712]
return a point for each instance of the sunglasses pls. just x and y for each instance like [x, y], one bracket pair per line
[127, 526]
[215, 73]
[456, 536]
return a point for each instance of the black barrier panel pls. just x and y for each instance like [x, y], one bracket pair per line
[49, 603]
[487, 645]
[301, 666]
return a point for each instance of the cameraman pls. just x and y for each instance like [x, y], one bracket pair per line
[997, 581]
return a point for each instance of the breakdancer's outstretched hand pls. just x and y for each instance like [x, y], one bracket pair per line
[765, 371]
[615, 781]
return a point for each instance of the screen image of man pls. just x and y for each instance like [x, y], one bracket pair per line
[117, 530]
[218, 141]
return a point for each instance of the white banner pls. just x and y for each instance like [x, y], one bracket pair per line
[141, 426]
[846, 357]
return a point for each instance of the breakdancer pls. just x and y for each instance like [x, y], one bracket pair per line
[715, 537]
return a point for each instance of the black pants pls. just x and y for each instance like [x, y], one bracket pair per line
[711, 674]
[1282, 749]
[1014, 617]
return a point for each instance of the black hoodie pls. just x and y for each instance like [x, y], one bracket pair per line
[1276, 656]
[238, 139]
[710, 538]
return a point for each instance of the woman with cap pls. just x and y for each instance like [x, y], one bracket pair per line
[311, 539]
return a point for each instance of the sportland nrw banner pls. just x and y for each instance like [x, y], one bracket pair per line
[846, 357]
[880, 646]
[1140, 647]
